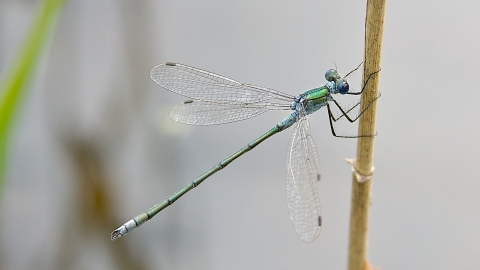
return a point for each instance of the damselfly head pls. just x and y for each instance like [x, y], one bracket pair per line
[332, 75]
[342, 86]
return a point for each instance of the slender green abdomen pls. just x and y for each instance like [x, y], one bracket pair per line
[159, 207]
[144, 217]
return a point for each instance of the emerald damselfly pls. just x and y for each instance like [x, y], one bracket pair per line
[217, 99]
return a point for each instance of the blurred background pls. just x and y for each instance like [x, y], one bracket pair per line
[92, 144]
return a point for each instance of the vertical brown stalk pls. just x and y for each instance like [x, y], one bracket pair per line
[361, 191]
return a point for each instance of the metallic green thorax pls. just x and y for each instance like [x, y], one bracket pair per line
[316, 98]
[317, 95]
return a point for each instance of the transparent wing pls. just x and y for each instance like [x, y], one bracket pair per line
[303, 175]
[206, 113]
[207, 86]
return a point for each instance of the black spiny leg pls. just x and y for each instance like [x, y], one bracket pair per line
[331, 117]
[345, 113]
[355, 93]
[353, 70]
[366, 82]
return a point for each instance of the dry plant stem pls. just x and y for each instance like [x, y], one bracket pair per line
[364, 161]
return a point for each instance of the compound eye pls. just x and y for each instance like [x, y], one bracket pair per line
[343, 88]
[331, 75]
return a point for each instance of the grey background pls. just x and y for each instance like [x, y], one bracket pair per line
[93, 88]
